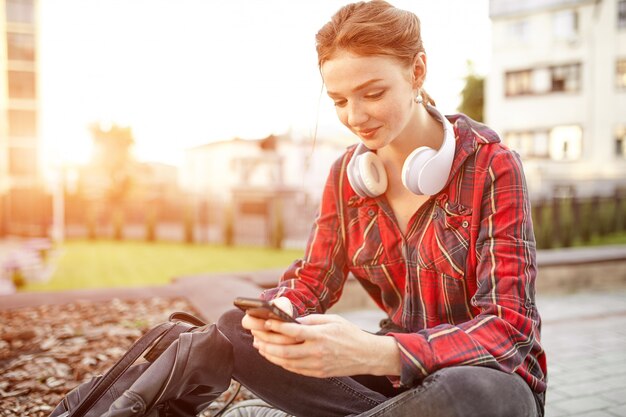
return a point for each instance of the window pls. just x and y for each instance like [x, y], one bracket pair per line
[565, 143]
[528, 144]
[621, 14]
[620, 142]
[21, 46]
[22, 84]
[20, 11]
[22, 123]
[23, 161]
[553, 79]
[565, 24]
[542, 80]
[620, 73]
[565, 78]
[518, 83]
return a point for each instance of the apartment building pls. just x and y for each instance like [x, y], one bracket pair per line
[556, 92]
[22, 200]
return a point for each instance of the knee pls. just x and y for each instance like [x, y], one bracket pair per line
[475, 381]
[229, 323]
[481, 391]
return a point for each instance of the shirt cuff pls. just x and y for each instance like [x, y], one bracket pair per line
[416, 357]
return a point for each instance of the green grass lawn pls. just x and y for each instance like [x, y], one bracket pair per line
[99, 264]
[617, 238]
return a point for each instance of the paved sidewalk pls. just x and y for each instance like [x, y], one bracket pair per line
[584, 336]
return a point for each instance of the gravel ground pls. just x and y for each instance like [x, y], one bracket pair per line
[46, 351]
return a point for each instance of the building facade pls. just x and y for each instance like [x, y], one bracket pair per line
[556, 92]
[263, 184]
[23, 205]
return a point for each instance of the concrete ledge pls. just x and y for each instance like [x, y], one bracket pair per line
[29, 299]
[572, 269]
[582, 255]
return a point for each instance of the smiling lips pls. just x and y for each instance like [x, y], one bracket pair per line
[368, 133]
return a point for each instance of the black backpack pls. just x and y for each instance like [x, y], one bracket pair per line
[169, 383]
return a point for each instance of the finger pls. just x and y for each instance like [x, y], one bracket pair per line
[295, 365]
[252, 323]
[273, 337]
[294, 330]
[292, 351]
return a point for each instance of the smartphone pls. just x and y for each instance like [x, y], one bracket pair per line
[262, 309]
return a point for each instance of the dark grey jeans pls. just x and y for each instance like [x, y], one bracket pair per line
[467, 391]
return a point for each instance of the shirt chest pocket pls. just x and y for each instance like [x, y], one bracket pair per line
[445, 241]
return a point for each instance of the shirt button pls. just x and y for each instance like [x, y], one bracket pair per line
[371, 213]
[465, 224]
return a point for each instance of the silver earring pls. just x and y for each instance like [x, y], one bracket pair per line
[418, 98]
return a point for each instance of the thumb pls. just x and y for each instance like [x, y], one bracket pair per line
[284, 304]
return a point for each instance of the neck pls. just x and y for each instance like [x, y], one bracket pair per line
[422, 130]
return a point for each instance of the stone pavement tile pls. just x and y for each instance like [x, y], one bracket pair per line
[576, 377]
[619, 411]
[582, 405]
[554, 395]
[618, 396]
[594, 414]
[555, 411]
[557, 393]
[595, 387]
[616, 368]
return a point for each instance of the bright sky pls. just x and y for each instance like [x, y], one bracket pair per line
[186, 72]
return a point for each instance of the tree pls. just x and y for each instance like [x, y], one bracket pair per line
[113, 162]
[473, 94]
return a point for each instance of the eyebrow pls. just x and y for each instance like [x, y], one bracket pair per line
[358, 87]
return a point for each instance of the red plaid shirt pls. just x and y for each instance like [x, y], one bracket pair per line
[462, 279]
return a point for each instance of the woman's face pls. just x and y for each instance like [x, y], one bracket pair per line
[373, 96]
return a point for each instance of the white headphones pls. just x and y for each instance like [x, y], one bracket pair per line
[425, 170]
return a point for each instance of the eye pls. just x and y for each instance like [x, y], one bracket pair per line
[376, 95]
[339, 103]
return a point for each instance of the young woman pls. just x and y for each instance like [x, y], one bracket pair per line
[432, 217]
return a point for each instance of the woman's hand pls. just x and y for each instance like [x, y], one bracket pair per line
[257, 326]
[325, 346]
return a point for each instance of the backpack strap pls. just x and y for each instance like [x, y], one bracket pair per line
[166, 340]
[183, 322]
[187, 318]
[163, 334]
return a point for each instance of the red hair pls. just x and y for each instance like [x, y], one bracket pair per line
[372, 28]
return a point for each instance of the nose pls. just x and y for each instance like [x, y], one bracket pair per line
[357, 115]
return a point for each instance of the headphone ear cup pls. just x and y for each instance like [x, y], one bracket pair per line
[372, 174]
[425, 170]
[366, 174]
[414, 175]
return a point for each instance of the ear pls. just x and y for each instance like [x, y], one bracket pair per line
[419, 70]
